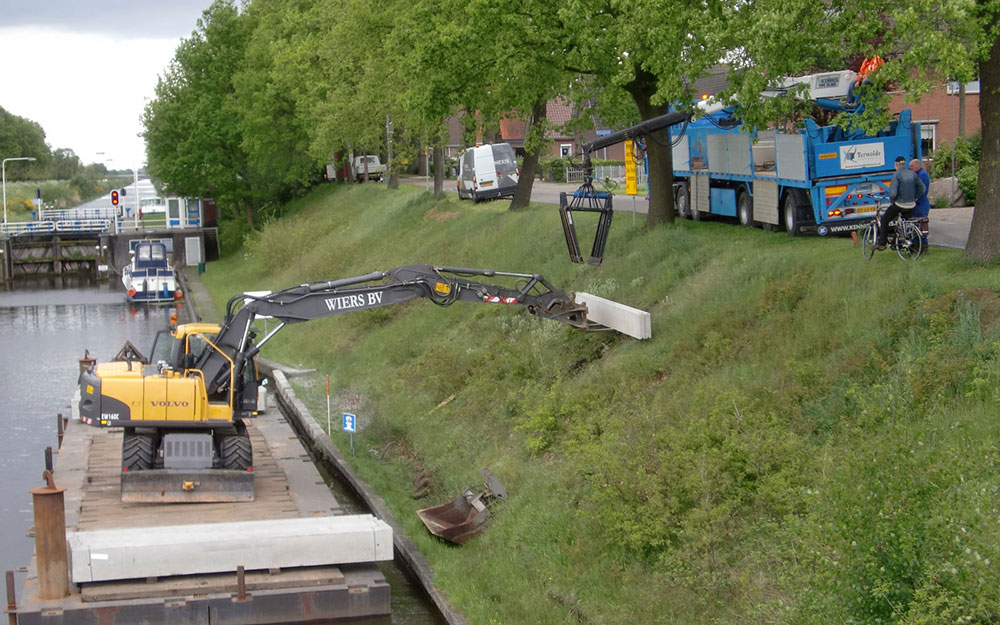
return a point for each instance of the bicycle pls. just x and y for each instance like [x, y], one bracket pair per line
[904, 236]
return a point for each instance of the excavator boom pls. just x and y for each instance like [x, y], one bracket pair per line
[441, 285]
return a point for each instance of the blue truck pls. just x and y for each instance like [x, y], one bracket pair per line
[819, 179]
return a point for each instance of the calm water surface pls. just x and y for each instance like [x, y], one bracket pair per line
[43, 331]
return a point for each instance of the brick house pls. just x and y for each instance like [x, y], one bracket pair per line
[937, 113]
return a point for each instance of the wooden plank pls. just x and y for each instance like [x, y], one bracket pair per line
[205, 584]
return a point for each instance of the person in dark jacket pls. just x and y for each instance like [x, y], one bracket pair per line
[904, 190]
[923, 207]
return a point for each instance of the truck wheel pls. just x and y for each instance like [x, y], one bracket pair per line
[137, 452]
[235, 451]
[744, 209]
[682, 201]
[793, 223]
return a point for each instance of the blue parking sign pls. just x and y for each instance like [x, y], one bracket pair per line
[350, 422]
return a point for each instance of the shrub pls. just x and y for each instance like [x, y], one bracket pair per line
[967, 151]
[968, 181]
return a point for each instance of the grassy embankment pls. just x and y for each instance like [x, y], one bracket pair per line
[808, 438]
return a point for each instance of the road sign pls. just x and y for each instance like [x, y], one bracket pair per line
[350, 423]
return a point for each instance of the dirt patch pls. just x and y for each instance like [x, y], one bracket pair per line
[440, 216]
[987, 301]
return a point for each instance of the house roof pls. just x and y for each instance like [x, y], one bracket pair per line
[713, 83]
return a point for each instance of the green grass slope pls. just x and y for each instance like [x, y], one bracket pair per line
[809, 437]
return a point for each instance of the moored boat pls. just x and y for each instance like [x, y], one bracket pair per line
[149, 276]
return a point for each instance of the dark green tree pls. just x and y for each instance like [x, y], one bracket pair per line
[192, 133]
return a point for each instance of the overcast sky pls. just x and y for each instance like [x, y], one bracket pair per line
[82, 69]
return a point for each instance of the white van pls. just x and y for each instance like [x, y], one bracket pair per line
[487, 171]
[375, 168]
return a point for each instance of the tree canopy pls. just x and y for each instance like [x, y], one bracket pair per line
[265, 93]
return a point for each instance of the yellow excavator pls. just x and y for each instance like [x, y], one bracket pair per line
[183, 409]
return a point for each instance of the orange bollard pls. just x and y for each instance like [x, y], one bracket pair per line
[50, 539]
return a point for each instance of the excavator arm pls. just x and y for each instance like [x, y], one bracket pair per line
[223, 365]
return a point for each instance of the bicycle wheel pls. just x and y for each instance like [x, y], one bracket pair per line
[869, 236]
[909, 242]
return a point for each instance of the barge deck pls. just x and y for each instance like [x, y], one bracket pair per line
[287, 486]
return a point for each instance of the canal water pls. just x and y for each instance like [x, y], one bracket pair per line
[45, 326]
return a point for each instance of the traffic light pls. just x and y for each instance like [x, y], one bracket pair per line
[114, 198]
[124, 192]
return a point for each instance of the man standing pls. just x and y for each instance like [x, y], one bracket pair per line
[923, 208]
[904, 190]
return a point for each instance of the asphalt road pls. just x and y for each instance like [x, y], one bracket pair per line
[949, 226]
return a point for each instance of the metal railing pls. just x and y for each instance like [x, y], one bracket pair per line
[614, 172]
[79, 213]
[75, 226]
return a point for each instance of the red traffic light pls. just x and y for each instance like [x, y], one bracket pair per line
[114, 198]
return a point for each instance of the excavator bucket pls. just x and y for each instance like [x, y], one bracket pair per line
[586, 199]
[189, 486]
[468, 514]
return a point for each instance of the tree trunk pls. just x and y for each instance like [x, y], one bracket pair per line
[984, 235]
[661, 159]
[394, 137]
[248, 211]
[438, 170]
[522, 194]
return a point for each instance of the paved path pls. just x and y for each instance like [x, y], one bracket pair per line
[949, 226]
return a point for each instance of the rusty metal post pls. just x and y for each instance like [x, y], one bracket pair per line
[48, 459]
[50, 539]
[60, 428]
[11, 600]
[241, 583]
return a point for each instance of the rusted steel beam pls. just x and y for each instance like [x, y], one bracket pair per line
[11, 600]
[50, 539]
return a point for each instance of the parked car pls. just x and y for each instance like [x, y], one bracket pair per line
[487, 171]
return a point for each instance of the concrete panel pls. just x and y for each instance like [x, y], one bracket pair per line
[143, 552]
[627, 320]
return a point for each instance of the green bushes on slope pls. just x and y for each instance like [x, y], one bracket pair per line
[808, 438]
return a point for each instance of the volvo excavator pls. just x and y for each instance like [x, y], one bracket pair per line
[184, 408]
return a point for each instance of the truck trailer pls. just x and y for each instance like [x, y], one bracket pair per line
[816, 178]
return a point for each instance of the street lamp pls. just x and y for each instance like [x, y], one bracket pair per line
[3, 171]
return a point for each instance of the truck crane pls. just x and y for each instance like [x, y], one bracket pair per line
[184, 412]
[822, 179]
[587, 199]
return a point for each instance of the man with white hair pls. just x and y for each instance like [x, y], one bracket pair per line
[923, 208]
[904, 190]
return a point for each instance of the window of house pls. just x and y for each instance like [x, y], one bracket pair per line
[566, 149]
[928, 135]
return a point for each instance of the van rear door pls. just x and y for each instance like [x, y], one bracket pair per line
[486, 174]
[506, 167]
